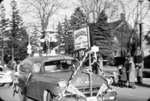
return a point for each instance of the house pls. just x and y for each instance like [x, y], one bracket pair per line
[122, 32]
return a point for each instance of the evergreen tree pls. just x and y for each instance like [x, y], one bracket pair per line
[60, 36]
[68, 36]
[101, 35]
[34, 39]
[3, 31]
[3, 21]
[18, 35]
[78, 19]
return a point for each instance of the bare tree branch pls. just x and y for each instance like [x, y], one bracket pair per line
[43, 10]
[96, 6]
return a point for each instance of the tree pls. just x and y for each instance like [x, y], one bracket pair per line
[4, 23]
[68, 36]
[101, 35]
[43, 10]
[60, 36]
[93, 8]
[4, 30]
[18, 35]
[34, 39]
[78, 19]
[21, 46]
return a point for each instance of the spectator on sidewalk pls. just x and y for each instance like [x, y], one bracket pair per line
[127, 65]
[139, 65]
[123, 76]
[132, 73]
[119, 75]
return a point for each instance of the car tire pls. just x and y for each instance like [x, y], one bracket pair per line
[46, 96]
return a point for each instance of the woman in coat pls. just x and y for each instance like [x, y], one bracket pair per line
[132, 73]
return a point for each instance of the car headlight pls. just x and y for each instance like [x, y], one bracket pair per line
[62, 84]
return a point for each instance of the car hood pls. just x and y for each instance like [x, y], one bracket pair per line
[53, 77]
[81, 79]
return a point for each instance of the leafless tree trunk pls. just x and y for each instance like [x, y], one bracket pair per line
[43, 10]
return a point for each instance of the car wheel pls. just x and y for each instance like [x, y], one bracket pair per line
[46, 96]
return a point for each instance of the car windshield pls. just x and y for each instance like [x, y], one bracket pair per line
[60, 65]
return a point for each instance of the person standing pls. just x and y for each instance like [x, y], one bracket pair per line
[123, 76]
[127, 65]
[139, 65]
[120, 75]
[132, 73]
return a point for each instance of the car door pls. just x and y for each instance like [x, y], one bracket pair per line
[33, 86]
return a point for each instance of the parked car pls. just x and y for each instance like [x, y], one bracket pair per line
[5, 77]
[60, 78]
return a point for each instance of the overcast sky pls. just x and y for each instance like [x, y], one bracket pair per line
[28, 18]
[130, 5]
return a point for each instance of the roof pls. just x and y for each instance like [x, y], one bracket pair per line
[114, 24]
[41, 59]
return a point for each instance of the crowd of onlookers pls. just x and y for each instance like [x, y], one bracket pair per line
[131, 71]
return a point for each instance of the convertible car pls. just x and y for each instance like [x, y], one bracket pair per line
[61, 78]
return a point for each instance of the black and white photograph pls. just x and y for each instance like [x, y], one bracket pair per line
[74, 50]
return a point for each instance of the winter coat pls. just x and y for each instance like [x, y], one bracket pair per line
[132, 72]
[139, 69]
[127, 65]
[123, 76]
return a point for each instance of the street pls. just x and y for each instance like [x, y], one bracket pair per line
[141, 93]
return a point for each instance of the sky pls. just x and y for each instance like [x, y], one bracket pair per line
[130, 6]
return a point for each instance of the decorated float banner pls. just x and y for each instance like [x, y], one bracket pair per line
[81, 39]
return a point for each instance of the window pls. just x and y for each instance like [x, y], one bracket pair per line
[59, 65]
[36, 67]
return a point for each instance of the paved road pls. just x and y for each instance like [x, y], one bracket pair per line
[6, 94]
[141, 93]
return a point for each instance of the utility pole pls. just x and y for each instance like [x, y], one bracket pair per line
[2, 33]
[140, 24]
